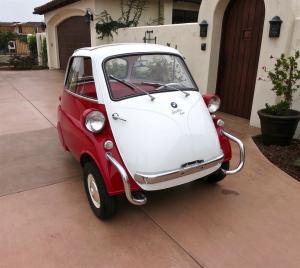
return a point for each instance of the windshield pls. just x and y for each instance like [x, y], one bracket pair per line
[136, 75]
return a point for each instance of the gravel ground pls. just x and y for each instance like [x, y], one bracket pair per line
[286, 158]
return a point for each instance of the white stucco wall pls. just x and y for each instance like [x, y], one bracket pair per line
[204, 64]
[55, 17]
[39, 42]
[287, 11]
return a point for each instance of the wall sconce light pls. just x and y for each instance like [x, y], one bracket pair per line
[275, 25]
[203, 28]
[88, 17]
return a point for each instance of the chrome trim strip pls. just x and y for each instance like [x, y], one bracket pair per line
[242, 154]
[152, 178]
[125, 180]
[80, 96]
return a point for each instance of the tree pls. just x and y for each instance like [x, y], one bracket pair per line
[285, 80]
[131, 12]
[44, 54]
[31, 39]
[5, 37]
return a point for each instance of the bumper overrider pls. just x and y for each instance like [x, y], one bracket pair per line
[154, 178]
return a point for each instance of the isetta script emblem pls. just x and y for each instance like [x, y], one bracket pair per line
[177, 111]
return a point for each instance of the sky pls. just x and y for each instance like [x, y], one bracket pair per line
[20, 10]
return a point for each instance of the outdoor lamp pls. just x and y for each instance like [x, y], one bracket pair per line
[203, 28]
[88, 17]
[275, 25]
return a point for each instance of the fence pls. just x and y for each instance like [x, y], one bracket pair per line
[21, 48]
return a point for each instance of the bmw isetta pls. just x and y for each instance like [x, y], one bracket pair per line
[134, 118]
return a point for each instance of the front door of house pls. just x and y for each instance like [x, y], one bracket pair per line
[239, 54]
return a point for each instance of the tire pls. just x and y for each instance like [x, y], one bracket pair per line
[102, 204]
[218, 175]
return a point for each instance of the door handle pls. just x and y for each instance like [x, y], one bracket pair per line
[116, 116]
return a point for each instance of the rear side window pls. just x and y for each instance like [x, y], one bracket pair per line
[80, 78]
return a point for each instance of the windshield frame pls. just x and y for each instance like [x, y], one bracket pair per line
[106, 76]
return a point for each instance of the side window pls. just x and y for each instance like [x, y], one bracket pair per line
[80, 78]
[73, 74]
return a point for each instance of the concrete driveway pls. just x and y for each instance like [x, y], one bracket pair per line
[249, 220]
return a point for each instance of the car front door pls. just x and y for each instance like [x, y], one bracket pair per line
[79, 95]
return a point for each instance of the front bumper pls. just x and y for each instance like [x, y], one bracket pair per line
[156, 178]
[153, 178]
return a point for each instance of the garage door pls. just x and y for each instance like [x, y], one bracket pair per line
[72, 33]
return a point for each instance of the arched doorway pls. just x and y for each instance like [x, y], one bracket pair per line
[72, 33]
[239, 54]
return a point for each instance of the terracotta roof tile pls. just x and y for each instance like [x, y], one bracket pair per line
[52, 5]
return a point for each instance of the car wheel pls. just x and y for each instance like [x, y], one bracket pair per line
[102, 204]
[218, 175]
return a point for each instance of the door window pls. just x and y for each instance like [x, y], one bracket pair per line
[80, 78]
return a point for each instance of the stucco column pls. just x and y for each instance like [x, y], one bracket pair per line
[166, 11]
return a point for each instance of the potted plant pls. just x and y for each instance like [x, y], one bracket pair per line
[279, 121]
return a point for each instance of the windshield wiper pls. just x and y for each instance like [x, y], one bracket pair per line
[161, 86]
[132, 86]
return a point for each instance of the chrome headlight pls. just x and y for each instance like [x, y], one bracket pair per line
[94, 121]
[214, 104]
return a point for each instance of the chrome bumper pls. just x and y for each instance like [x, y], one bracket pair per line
[153, 178]
[125, 180]
[242, 154]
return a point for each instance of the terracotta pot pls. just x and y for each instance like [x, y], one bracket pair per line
[278, 129]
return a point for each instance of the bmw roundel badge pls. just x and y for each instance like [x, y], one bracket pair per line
[174, 104]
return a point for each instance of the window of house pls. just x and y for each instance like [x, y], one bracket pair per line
[80, 78]
[185, 11]
[184, 16]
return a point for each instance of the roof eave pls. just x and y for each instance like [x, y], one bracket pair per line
[52, 5]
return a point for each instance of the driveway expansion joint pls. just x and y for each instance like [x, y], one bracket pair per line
[25, 98]
[172, 238]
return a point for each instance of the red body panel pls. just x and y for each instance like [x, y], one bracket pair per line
[207, 97]
[75, 137]
[224, 142]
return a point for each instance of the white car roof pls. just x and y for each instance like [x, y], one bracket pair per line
[105, 51]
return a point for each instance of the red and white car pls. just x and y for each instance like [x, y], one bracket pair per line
[134, 118]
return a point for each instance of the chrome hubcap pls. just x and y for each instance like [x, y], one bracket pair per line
[93, 190]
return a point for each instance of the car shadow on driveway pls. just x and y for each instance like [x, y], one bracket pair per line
[33, 159]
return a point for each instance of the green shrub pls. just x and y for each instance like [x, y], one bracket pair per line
[23, 62]
[284, 78]
[280, 108]
[5, 37]
[44, 54]
[31, 40]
